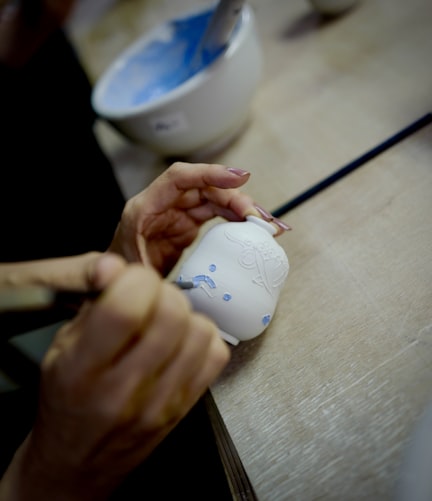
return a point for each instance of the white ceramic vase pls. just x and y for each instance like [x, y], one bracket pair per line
[238, 270]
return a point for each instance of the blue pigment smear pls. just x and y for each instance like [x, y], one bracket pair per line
[162, 65]
[266, 319]
[227, 296]
[212, 267]
[204, 278]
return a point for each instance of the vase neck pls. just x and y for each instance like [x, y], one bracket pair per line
[263, 224]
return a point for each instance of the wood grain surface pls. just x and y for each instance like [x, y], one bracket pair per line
[322, 404]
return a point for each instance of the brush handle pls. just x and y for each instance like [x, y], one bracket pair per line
[217, 34]
[221, 25]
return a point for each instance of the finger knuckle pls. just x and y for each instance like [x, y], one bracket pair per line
[176, 167]
[135, 298]
[175, 305]
[218, 351]
[223, 353]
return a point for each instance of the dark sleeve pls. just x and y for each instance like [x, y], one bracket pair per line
[58, 193]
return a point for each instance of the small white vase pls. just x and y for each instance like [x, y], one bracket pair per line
[238, 271]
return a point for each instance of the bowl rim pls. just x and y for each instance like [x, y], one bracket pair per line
[172, 95]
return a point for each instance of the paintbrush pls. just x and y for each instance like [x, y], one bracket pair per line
[217, 33]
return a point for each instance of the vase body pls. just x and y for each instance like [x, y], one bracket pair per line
[238, 270]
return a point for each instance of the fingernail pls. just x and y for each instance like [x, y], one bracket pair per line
[266, 215]
[281, 224]
[238, 172]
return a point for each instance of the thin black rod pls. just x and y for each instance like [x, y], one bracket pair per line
[358, 162]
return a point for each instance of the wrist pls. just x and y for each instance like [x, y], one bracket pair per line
[30, 476]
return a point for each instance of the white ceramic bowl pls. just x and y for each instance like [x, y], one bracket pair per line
[206, 110]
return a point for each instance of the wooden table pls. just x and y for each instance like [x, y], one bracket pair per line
[323, 404]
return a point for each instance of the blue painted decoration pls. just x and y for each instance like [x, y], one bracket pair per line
[266, 319]
[204, 278]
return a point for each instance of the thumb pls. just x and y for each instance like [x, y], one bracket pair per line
[87, 272]
[100, 270]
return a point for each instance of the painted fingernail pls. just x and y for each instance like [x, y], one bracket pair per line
[238, 172]
[281, 224]
[265, 214]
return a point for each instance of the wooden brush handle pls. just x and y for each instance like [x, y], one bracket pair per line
[221, 25]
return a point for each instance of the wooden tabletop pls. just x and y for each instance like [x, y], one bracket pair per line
[323, 404]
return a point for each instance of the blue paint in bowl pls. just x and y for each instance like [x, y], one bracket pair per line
[162, 64]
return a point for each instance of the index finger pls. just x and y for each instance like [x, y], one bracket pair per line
[182, 177]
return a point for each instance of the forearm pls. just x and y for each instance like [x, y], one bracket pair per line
[57, 273]
[13, 484]
[17, 483]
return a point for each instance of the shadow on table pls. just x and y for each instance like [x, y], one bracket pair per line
[309, 22]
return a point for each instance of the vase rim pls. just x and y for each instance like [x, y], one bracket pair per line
[264, 224]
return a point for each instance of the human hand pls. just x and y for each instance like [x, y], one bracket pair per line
[161, 221]
[114, 383]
